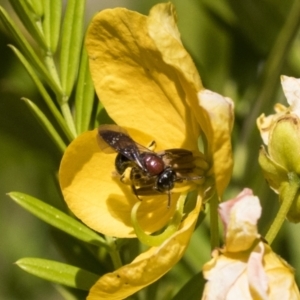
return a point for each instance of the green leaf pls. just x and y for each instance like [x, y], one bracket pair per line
[71, 44]
[59, 272]
[57, 115]
[36, 6]
[29, 53]
[84, 99]
[30, 20]
[46, 124]
[51, 23]
[193, 289]
[58, 219]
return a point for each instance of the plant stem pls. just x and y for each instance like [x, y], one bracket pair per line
[50, 65]
[61, 97]
[65, 108]
[114, 253]
[287, 196]
[214, 221]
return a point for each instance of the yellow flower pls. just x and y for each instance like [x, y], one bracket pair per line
[246, 268]
[149, 85]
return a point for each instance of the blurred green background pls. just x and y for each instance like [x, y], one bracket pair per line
[240, 49]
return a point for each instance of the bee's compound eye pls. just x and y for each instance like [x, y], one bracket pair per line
[153, 163]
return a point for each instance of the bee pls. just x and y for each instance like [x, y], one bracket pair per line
[148, 172]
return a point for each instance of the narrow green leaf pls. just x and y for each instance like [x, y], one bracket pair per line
[30, 20]
[56, 113]
[29, 53]
[58, 219]
[193, 289]
[51, 23]
[36, 6]
[84, 99]
[58, 272]
[46, 124]
[71, 44]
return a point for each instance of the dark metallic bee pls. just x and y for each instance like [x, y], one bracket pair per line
[150, 172]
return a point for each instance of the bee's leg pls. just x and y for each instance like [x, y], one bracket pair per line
[126, 176]
[135, 191]
[169, 199]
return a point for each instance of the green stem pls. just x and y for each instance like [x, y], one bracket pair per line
[287, 195]
[214, 221]
[61, 98]
[50, 65]
[156, 240]
[65, 108]
[113, 252]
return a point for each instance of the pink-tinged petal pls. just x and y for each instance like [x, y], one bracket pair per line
[291, 89]
[226, 278]
[240, 216]
[258, 280]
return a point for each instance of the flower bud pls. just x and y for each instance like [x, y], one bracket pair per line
[283, 159]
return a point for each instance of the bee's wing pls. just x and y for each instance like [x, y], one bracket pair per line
[112, 138]
[178, 159]
[106, 136]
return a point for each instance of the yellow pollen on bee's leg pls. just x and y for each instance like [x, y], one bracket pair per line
[125, 177]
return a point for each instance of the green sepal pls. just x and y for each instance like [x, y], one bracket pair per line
[285, 192]
[58, 219]
[71, 44]
[84, 99]
[273, 172]
[46, 124]
[284, 143]
[51, 23]
[61, 273]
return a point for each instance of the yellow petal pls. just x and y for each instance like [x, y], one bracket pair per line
[137, 88]
[217, 123]
[281, 278]
[162, 26]
[226, 279]
[147, 267]
[236, 276]
[213, 112]
[102, 201]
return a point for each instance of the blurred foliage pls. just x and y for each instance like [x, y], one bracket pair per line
[240, 49]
